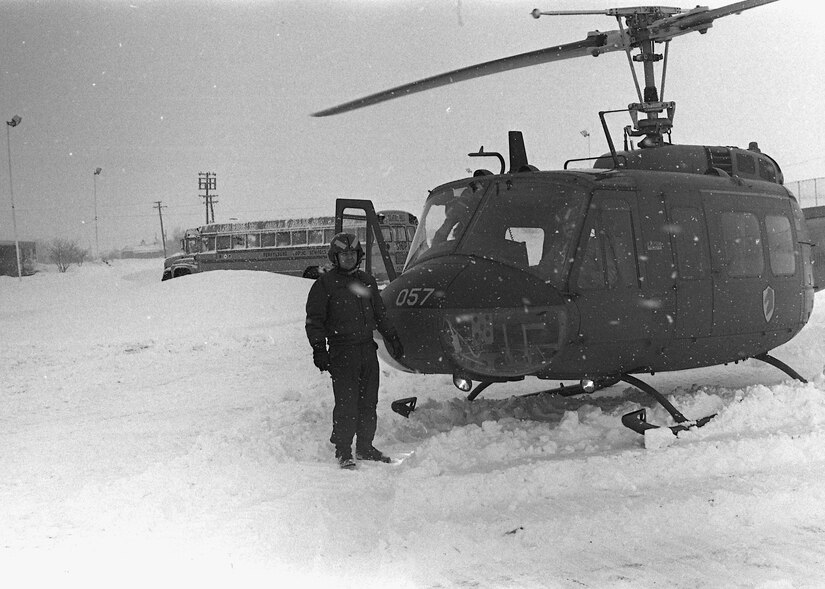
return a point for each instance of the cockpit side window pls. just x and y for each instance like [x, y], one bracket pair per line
[608, 254]
[528, 224]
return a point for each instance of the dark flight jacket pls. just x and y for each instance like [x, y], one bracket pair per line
[344, 309]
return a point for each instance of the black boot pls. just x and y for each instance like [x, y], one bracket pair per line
[344, 457]
[370, 453]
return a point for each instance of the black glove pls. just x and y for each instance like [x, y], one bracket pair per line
[320, 357]
[394, 347]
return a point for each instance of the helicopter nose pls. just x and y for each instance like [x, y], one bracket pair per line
[478, 318]
[501, 321]
[509, 342]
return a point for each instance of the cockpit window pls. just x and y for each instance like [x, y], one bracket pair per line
[529, 223]
[446, 216]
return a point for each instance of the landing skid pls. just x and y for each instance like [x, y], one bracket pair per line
[635, 420]
[575, 389]
[562, 391]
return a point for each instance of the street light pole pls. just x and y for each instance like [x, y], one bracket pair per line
[15, 120]
[97, 241]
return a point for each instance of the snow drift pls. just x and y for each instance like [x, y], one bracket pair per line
[176, 432]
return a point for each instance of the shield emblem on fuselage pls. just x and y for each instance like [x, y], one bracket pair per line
[768, 303]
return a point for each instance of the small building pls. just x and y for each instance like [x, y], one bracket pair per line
[28, 257]
[144, 250]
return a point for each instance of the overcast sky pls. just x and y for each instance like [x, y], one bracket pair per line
[154, 93]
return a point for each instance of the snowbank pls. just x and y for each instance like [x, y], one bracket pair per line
[175, 432]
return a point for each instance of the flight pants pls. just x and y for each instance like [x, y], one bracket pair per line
[355, 373]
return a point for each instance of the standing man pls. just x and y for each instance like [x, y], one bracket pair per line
[343, 308]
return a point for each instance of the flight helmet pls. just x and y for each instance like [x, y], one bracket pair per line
[343, 242]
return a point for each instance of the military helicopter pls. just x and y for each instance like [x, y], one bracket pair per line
[660, 257]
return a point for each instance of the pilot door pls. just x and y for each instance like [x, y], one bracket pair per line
[365, 223]
[606, 276]
[692, 282]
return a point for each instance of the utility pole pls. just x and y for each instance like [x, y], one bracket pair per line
[208, 181]
[15, 120]
[94, 181]
[162, 234]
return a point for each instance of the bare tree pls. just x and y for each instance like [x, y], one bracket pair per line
[177, 236]
[65, 252]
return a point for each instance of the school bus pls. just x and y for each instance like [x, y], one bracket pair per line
[297, 247]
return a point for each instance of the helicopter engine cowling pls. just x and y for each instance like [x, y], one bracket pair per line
[458, 319]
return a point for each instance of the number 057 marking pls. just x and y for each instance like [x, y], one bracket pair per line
[411, 297]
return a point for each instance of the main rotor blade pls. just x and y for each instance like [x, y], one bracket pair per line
[594, 44]
[698, 19]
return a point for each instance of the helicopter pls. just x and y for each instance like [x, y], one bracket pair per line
[660, 257]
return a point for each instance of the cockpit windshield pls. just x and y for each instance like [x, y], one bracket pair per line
[446, 216]
[529, 222]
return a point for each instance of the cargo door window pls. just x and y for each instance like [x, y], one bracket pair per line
[743, 243]
[780, 245]
[688, 234]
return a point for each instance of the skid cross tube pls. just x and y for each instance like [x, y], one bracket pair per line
[478, 390]
[643, 386]
[777, 363]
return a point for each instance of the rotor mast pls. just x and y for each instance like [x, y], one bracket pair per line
[635, 33]
[643, 27]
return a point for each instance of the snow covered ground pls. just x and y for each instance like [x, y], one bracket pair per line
[175, 434]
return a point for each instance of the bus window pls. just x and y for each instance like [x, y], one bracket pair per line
[268, 240]
[399, 234]
[410, 233]
[238, 242]
[299, 237]
[253, 240]
[386, 233]
[315, 236]
[283, 238]
[208, 243]
[223, 242]
[328, 235]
